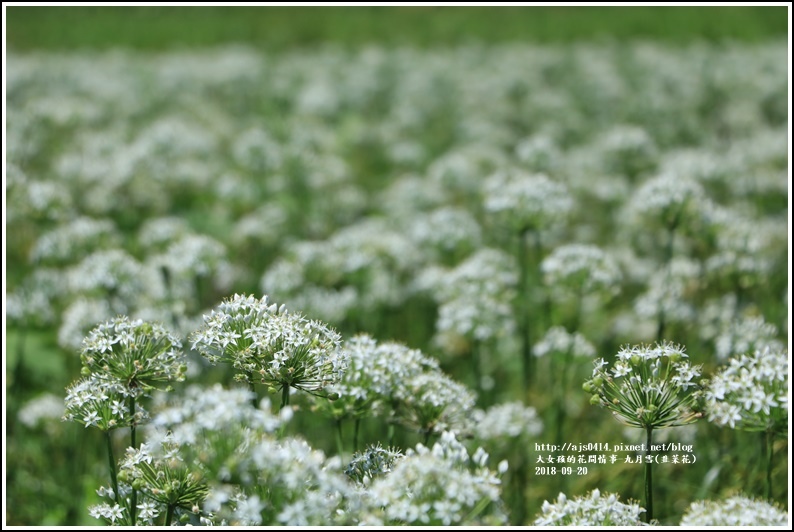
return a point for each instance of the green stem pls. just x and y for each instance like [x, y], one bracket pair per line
[648, 477]
[252, 387]
[428, 432]
[770, 449]
[524, 302]
[284, 395]
[479, 372]
[112, 464]
[339, 445]
[390, 434]
[474, 364]
[355, 433]
[19, 367]
[134, 495]
[169, 515]
[668, 258]
[561, 393]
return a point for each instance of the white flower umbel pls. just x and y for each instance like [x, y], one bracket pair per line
[100, 403]
[438, 486]
[133, 353]
[648, 386]
[738, 510]
[378, 377]
[581, 268]
[751, 393]
[41, 410]
[278, 482]
[524, 201]
[267, 344]
[165, 482]
[745, 335]
[373, 462]
[201, 411]
[70, 242]
[667, 201]
[475, 299]
[505, 422]
[446, 232]
[628, 150]
[590, 510]
[435, 403]
[558, 341]
[79, 318]
[667, 298]
[113, 274]
[189, 259]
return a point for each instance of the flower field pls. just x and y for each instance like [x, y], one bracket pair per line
[503, 284]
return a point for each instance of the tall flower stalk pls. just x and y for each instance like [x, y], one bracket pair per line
[648, 388]
[525, 203]
[123, 360]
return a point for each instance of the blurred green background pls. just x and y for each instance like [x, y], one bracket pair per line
[275, 28]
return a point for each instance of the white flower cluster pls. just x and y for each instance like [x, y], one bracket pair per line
[526, 201]
[629, 150]
[133, 353]
[75, 239]
[592, 509]
[93, 402]
[123, 360]
[191, 257]
[378, 377]
[667, 200]
[460, 169]
[475, 298]
[201, 411]
[373, 462]
[79, 318]
[668, 291]
[281, 482]
[435, 403]
[265, 343]
[559, 341]
[41, 409]
[734, 511]
[751, 392]
[505, 422]
[32, 303]
[647, 387]
[447, 230]
[158, 233]
[580, 269]
[746, 248]
[438, 486]
[745, 335]
[357, 269]
[112, 274]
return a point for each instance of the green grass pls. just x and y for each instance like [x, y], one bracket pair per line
[278, 28]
